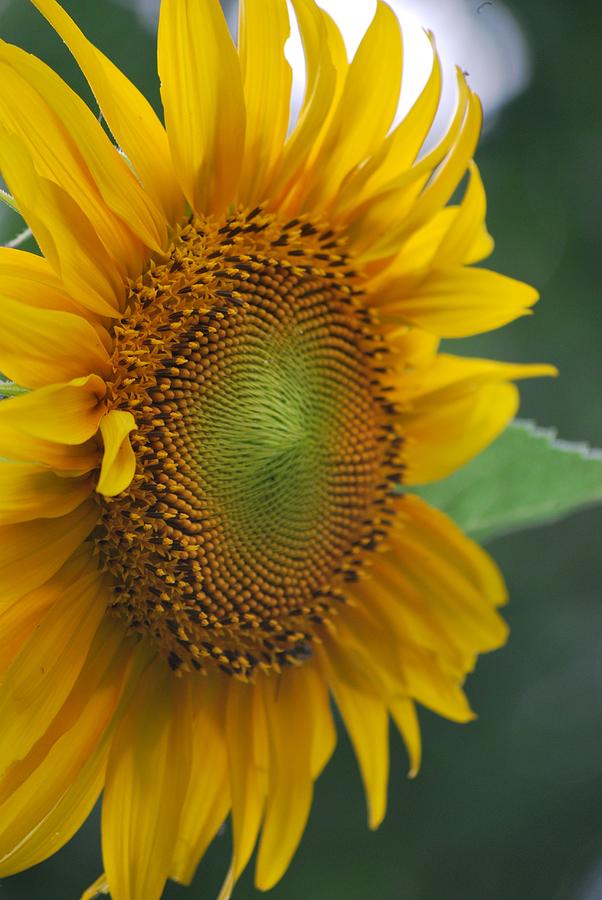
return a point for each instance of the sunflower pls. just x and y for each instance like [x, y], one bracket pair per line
[228, 351]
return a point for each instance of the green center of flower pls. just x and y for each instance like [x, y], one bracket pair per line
[264, 444]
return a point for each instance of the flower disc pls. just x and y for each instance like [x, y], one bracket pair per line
[263, 447]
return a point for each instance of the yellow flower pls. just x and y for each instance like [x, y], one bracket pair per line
[230, 351]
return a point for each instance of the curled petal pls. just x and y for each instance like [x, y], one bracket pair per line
[118, 461]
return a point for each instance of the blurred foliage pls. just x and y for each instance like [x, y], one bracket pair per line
[508, 807]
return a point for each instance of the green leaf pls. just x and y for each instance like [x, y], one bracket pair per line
[9, 200]
[10, 389]
[525, 478]
[13, 230]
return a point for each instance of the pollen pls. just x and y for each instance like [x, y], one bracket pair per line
[266, 453]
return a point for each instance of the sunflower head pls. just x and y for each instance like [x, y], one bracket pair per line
[265, 444]
[230, 350]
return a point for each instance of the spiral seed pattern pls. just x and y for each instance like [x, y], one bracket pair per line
[265, 446]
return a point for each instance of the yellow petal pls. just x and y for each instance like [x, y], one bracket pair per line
[19, 617]
[442, 438]
[28, 278]
[246, 740]
[400, 148]
[201, 87]
[68, 459]
[290, 784]
[402, 668]
[429, 682]
[30, 492]
[107, 661]
[146, 782]
[458, 302]
[434, 591]
[118, 461]
[416, 348]
[449, 174]
[263, 31]
[366, 720]
[42, 674]
[31, 552]
[65, 413]
[366, 108]
[414, 262]
[127, 112]
[324, 734]
[458, 621]
[18, 621]
[46, 797]
[207, 801]
[100, 886]
[64, 819]
[51, 118]
[454, 408]
[448, 545]
[326, 67]
[40, 346]
[467, 240]
[403, 712]
[399, 606]
[88, 272]
[461, 373]
[56, 158]
[454, 236]
[381, 225]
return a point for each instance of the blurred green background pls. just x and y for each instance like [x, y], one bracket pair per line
[509, 807]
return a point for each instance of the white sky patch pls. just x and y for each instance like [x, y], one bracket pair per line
[482, 37]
